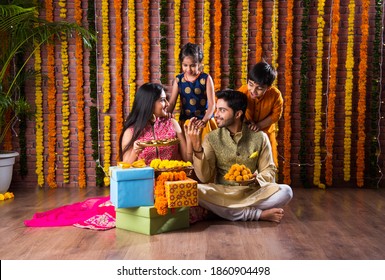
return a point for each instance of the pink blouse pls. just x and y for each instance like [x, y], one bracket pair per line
[162, 129]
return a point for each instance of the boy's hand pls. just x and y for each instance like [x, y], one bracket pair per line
[253, 126]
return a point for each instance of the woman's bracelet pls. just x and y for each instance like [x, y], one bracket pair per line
[198, 152]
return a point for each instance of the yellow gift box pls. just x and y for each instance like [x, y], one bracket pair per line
[181, 193]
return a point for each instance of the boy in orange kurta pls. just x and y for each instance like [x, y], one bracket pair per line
[264, 102]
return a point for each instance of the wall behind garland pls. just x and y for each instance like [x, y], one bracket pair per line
[329, 61]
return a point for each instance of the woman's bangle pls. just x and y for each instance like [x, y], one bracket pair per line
[198, 152]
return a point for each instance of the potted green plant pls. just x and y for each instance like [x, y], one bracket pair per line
[22, 33]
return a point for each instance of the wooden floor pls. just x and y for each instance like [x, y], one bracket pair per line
[318, 225]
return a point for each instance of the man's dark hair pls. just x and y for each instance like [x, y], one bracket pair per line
[236, 100]
[263, 74]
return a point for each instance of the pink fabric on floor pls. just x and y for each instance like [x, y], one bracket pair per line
[98, 222]
[77, 213]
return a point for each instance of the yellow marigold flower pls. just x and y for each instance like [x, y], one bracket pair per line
[8, 195]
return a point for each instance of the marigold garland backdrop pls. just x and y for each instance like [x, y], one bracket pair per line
[329, 59]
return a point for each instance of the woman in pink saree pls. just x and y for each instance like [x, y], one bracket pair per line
[148, 120]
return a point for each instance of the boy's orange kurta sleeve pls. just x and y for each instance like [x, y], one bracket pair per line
[250, 105]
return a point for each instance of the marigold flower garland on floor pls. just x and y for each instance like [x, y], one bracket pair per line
[132, 50]
[361, 106]
[349, 65]
[206, 36]
[245, 41]
[258, 39]
[82, 182]
[288, 92]
[39, 122]
[318, 97]
[51, 98]
[146, 40]
[332, 92]
[191, 26]
[217, 44]
[65, 97]
[119, 67]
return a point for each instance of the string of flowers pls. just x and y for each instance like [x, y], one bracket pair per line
[106, 57]
[231, 56]
[245, 40]
[80, 99]
[374, 168]
[132, 50]
[206, 35]
[107, 149]
[274, 37]
[39, 122]
[177, 28]
[51, 177]
[163, 41]
[217, 44]
[288, 91]
[361, 107]
[258, 39]
[349, 65]
[106, 91]
[65, 97]
[191, 26]
[304, 86]
[119, 66]
[146, 41]
[160, 192]
[318, 96]
[332, 92]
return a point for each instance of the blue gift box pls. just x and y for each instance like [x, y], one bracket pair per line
[131, 187]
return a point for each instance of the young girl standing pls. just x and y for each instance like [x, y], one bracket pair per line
[196, 89]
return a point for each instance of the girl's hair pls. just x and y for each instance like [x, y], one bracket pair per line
[193, 51]
[141, 112]
[262, 73]
[236, 100]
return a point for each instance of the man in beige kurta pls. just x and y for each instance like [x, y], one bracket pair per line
[233, 142]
